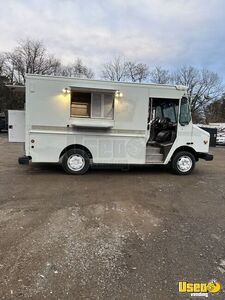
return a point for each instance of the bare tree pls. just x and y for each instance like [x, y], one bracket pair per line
[6, 68]
[30, 57]
[136, 72]
[78, 69]
[115, 70]
[203, 85]
[2, 64]
[215, 111]
[121, 69]
[160, 76]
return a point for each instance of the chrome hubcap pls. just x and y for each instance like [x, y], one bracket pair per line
[184, 164]
[76, 162]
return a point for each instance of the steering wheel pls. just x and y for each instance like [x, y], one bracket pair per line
[155, 122]
[165, 122]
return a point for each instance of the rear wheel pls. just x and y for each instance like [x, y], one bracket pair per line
[183, 163]
[75, 162]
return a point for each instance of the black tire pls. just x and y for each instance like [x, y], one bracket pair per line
[75, 155]
[188, 159]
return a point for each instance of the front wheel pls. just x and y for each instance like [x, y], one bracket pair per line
[75, 162]
[183, 163]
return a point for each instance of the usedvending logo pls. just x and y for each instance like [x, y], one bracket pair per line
[198, 289]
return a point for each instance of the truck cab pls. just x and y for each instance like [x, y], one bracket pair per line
[173, 138]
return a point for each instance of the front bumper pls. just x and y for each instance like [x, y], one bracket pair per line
[24, 160]
[205, 156]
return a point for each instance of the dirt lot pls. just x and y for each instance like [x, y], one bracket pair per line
[109, 234]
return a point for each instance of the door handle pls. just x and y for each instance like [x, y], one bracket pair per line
[10, 126]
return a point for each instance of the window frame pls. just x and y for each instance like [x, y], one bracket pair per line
[90, 116]
[188, 112]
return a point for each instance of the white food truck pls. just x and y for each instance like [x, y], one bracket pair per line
[80, 122]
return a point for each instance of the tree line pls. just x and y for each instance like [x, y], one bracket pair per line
[205, 88]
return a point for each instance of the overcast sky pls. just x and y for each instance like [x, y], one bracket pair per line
[157, 32]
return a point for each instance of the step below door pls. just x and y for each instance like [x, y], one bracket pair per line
[16, 126]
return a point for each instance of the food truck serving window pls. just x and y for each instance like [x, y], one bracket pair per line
[80, 104]
[92, 105]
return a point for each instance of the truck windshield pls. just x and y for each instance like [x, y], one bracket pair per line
[158, 112]
[185, 114]
[169, 111]
[167, 108]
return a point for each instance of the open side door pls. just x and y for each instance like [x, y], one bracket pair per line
[16, 126]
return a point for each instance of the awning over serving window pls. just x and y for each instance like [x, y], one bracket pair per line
[96, 90]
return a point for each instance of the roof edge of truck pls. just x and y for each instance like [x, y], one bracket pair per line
[38, 76]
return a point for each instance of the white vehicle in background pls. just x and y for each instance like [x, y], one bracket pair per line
[80, 122]
[220, 140]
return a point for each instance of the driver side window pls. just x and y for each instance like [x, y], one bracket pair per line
[185, 115]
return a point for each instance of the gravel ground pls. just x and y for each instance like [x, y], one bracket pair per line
[109, 234]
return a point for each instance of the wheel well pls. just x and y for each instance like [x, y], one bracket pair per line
[76, 146]
[188, 149]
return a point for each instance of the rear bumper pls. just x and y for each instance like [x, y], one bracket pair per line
[24, 160]
[205, 156]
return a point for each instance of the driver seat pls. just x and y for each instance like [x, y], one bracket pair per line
[164, 136]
